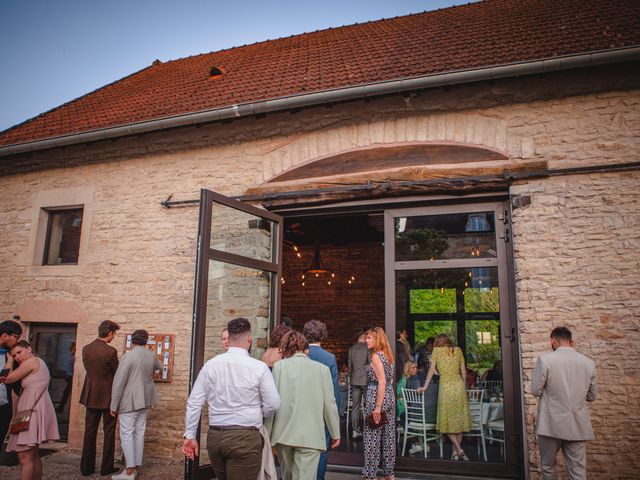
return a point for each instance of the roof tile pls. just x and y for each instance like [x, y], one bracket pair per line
[493, 32]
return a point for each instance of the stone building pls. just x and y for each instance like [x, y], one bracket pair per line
[472, 170]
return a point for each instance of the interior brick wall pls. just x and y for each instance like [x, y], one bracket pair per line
[345, 309]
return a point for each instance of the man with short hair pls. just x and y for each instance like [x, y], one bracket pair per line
[239, 391]
[358, 361]
[100, 362]
[10, 333]
[315, 332]
[564, 380]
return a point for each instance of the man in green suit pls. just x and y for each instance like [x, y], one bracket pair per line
[307, 404]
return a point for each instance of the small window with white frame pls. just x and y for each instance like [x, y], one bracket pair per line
[62, 241]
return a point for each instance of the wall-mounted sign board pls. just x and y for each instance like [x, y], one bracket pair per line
[162, 345]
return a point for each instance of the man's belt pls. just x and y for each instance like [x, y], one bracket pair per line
[223, 428]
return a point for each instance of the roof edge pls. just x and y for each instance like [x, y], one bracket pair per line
[290, 102]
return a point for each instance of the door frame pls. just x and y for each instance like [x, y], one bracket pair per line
[204, 253]
[513, 467]
[442, 205]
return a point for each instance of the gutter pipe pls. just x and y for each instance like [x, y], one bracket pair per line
[334, 95]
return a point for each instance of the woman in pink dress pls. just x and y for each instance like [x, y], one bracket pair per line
[43, 426]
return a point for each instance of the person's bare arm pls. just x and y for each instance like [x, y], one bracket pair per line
[378, 369]
[430, 373]
[463, 368]
[22, 371]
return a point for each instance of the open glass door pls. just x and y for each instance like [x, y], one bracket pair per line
[238, 269]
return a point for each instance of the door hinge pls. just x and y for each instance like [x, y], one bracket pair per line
[506, 235]
[512, 335]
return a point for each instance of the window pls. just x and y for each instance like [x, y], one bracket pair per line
[62, 242]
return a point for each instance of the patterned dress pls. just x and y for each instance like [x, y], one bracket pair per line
[453, 405]
[384, 437]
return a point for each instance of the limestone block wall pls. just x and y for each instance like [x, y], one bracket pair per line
[137, 259]
[577, 264]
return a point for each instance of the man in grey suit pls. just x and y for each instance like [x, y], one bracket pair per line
[564, 380]
[358, 361]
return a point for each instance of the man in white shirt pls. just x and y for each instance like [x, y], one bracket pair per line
[564, 380]
[239, 391]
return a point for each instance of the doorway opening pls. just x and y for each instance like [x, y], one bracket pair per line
[421, 272]
[416, 268]
[55, 343]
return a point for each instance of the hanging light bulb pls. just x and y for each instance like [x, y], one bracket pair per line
[329, 282]
[303, 284]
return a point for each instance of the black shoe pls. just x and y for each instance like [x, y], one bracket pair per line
[109, 472]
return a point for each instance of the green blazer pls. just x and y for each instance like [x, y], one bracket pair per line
[306, 404]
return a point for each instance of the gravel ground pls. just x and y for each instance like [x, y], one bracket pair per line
[65, 465]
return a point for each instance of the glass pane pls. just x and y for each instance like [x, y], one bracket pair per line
[235, 231]
[462, 304]
[234, 291]
[64, 237]
[436, 237]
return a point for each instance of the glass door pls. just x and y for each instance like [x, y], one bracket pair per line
[55, 343]
[447, 287]
[238, 269]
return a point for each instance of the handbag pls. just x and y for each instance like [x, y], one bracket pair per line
[372, 422]
[22, 419]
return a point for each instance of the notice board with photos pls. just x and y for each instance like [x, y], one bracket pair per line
[162, 345]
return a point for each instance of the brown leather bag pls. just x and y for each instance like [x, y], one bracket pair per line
[22, 419]
[372, 422]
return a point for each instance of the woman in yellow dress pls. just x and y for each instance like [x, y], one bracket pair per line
[453, 405]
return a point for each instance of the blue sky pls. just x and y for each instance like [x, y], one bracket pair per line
[52, 51]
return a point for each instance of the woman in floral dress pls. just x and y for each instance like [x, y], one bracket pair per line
[453, 404]
[380, 398]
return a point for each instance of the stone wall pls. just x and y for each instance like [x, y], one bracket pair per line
[576, 244]
[577, 249]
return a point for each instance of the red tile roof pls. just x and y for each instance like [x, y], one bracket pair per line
[493, 32]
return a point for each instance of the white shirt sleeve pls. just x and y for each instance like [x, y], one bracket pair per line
[196, 400]
[269, 394]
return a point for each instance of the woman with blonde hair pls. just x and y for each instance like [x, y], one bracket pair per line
[380, 399]
[453, 406]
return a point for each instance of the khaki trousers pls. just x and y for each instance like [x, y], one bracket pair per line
[574, 453]
[298, 463]
[235, 454]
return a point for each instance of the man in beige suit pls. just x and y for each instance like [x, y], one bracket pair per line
[564, 380]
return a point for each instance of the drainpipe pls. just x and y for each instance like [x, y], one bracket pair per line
[334, 95]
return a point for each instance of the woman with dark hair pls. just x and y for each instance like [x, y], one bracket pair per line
[453, 406]
[307, 403]
[380, 399]
[132, 395]
[272, 354]
[42, 423]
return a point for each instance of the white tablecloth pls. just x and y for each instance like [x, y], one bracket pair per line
[492, 411]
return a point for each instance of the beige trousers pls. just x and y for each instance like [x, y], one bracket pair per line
[575, 457]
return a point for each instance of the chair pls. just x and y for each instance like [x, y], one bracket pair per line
[475, 411]
[414, 421]
[350, 408]
[492, 427]
[491, 386]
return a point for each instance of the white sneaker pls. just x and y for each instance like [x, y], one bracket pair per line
[123, 475]
[416, 448]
